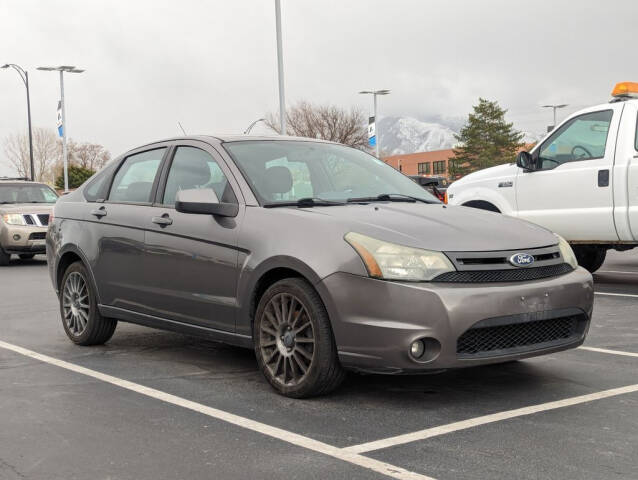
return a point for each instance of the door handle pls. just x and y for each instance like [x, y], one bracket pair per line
[162, 221]
[99, 212]
[603, 178]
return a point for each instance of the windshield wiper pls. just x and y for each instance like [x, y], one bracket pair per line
[305, 202]
[389, 197]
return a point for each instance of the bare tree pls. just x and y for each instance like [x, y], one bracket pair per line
[91, 156]
[45, 153]
[327, 122]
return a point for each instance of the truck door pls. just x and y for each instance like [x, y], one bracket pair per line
[630, 115]
[571, 189]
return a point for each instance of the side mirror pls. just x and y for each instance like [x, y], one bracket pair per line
[204, 201]
[525, 161]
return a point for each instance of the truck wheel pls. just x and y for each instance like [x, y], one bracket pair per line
[81, 318]
[4, 258]
[482, 205]
[294, 345]
[590, 257]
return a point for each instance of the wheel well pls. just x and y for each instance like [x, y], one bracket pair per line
[482, 205]
[266, 280]
[67, 259]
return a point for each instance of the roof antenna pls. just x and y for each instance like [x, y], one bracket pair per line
[181, 128]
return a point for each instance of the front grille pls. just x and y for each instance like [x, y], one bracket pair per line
[38, 236]
[520, 336]
[28, 219]
[511, 275]
[44, 219]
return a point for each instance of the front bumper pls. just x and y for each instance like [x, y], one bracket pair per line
[375, 321]
[18, 239]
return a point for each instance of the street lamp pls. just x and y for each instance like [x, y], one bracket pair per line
[280, 70]
[374, 93]
[24, 75]
[250, 127]
[62, 69]
[554, 107]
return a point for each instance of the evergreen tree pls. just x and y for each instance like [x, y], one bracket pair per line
[485, 140]
[77, 176]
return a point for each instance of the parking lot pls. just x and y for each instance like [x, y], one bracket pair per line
[158, 405]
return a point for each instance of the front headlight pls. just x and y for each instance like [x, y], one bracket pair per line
[13, 219]
[397, 262]
[566, 252]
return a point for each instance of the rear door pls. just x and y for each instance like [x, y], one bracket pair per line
[190, 271]
[571, 192]
[116, 226]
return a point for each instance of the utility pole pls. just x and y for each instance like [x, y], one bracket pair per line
[374, 93]
[280, 68]
[554, 108]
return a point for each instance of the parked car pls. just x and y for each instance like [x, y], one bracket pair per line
[435, 185]
[581, 181]
[24, 216]
[318, 256]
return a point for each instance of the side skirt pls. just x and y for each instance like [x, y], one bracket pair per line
[175, 326]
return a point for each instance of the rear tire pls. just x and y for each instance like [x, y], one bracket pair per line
[81, 318]
[4, 258]
[294, 344]
[590, 257]
[26, 256]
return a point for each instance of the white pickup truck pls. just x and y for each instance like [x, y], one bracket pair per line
[581, 181]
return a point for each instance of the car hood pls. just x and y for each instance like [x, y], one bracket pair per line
[506, 170]
[436, 227]
[26, 207]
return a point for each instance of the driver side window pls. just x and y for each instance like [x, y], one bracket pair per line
[582, 138]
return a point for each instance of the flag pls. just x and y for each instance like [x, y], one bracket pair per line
[60, 126]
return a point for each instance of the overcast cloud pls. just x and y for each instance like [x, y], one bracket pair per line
[212, 64]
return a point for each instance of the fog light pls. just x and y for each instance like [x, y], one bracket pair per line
[417, 349]
[16, 237]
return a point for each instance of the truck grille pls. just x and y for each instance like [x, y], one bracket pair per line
[44, 219]
[38, 236]
[510, 275]
[484, 339]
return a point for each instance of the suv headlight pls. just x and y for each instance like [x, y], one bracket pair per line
[13, 219]
[566, 252]
[397, 262]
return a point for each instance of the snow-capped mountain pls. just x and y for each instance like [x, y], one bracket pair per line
[398, 135]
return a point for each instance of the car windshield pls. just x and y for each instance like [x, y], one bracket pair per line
[26, 193]
[287, 171]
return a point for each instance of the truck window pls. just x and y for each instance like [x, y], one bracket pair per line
[582, 138]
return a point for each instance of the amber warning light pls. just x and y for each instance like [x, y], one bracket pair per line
[625, 89]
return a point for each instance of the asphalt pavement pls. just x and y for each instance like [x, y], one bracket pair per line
[157, 405]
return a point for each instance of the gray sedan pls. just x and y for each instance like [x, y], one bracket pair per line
[318, 256]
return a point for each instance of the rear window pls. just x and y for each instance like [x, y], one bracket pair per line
[133, 182]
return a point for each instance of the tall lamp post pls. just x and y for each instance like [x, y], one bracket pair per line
[374, 93]
[280, 69]
[554, 107]
[62, 69]
[24, 75]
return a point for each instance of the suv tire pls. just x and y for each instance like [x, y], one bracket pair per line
[4, 258]
[81, 318]
[293, 340]
[590, 257]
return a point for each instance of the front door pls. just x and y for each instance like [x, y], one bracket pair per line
[191, 271]
[571, 190]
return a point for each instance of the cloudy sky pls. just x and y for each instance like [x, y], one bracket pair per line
[212, 64]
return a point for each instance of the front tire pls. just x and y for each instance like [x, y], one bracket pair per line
[590, 257]
[81, 318]
[294, 344]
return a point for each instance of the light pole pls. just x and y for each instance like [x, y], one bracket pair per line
[250, 127]
[554, 107]
[62, 69]
[280, 69]
[374, 93]
[24, 75]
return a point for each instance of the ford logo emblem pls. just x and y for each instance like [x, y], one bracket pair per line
[521, 259]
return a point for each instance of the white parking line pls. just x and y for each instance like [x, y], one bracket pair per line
[495, 417]
[617, 271]
[274, 432]
[612, 352]
[631, 295]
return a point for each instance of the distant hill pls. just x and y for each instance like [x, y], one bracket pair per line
[399, 135]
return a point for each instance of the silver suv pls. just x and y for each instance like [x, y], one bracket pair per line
[25, 208]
